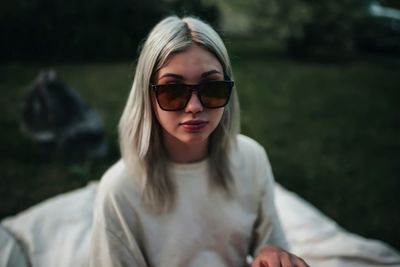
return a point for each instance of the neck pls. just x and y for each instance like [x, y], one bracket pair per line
[180, 152]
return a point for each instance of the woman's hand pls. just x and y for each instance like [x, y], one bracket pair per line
[272, 256]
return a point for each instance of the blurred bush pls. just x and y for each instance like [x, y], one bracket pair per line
[83, 30]
[315, 28]
[331, 27]
[112, 29]
[380, 31]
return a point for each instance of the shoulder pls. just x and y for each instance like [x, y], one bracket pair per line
[250, 160]
[250, 150]
[118, 187]
[116, 207]
[247, 144]
[116, 176]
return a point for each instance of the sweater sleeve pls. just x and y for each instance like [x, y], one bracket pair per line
[267, 228]
[116, 231]
[107, 249]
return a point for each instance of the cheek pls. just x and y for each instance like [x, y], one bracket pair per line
[166, 119]
[216, 115]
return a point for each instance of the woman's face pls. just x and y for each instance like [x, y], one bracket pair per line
[195, 123]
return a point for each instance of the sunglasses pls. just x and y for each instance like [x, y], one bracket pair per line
[174, 97]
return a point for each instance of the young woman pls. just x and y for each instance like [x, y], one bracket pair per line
[189, 190]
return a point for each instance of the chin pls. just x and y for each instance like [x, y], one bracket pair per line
[194, 138]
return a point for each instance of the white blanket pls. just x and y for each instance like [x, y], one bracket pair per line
[56, 232]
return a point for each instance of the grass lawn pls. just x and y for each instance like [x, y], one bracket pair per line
[331, 131]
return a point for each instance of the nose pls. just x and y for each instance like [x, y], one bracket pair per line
[194, 105]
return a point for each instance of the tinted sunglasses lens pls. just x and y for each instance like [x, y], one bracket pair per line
[172, 96]
[216, 94]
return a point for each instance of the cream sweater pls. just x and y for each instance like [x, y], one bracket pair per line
[203, 229]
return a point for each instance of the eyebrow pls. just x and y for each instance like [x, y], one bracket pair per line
[208, 73]
[172, 75]
[180, 77]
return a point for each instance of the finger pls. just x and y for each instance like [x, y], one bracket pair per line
[272, 262]
[299, 262]
[287, 260]
[258, 263]
[255, 263]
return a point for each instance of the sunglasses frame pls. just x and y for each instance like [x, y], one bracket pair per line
[194, 88]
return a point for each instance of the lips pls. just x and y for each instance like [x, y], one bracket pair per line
[194, 125]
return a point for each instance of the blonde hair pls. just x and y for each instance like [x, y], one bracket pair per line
[139, 131]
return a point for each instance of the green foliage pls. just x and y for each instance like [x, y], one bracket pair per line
[298, 25]
[111, 29]
[332, 26]
[206, 11]
[279, 19]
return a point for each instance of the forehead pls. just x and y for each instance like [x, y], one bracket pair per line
[193, 60]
